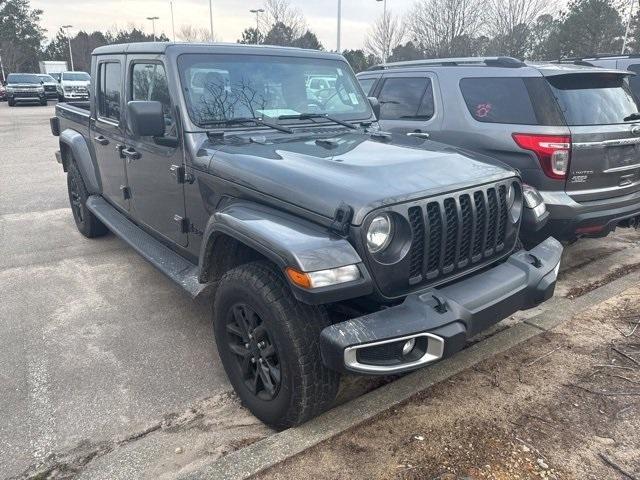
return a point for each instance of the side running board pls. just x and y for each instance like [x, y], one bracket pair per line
[174, 266]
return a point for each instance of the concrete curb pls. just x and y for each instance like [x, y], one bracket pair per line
[272, 450]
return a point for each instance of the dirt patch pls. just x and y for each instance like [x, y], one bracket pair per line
[608, 278]
[563, 405]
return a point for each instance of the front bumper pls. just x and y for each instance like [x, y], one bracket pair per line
[442, 319]
[26, 97]
[569, 219]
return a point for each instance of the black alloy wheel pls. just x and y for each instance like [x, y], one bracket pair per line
[256, 355]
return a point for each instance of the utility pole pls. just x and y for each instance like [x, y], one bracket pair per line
[211, 18]
[66, 29]
[257, 11]
[173, 25]
[153, 25]
[339, 26]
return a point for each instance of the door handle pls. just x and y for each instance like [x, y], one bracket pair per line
[418, 134]
[101, 140]
[130, 153]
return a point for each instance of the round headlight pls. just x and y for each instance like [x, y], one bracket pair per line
[379, 233]
[514, 201]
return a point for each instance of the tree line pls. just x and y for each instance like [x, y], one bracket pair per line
[527, 29]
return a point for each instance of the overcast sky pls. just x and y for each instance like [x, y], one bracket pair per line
[230, 17]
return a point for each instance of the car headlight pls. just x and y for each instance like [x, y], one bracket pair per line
[379, 233]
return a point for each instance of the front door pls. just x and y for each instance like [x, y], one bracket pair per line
[153, 173]
[107, 130]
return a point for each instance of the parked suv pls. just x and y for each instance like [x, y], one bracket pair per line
[74, 86]
[50, 85]
[572, 131]
[25, 87]
[327, 246]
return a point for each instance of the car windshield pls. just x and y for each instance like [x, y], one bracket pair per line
[22, 78]
[76, 77]
[593, 99]
[46, 78]
[223, 87]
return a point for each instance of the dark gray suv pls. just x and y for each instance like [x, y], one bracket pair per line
[571, 130]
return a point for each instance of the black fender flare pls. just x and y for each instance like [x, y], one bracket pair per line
[80, 150]
[287, 241]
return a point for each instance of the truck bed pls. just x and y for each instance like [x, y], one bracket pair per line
[73, 115]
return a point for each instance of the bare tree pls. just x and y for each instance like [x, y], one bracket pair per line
[446, 27]
[190, 33]
[386, 34]
[281, 11]
[510, 22]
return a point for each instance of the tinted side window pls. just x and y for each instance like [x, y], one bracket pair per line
[498, 100]
[402, 98]
[109, 91]
[366, 84]
[149, 82]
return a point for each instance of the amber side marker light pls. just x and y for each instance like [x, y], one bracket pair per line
[300, 279]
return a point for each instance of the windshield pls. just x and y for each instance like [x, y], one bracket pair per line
[593, 99]
[223, 87]
[22, 78]
[76, 77]
[46, 78]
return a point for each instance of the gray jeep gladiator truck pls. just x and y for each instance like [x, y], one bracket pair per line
[327, 245]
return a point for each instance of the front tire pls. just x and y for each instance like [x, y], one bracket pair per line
[11, 102]
[269, 346]
[87, 223]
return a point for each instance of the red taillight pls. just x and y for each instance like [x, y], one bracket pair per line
[553, 152]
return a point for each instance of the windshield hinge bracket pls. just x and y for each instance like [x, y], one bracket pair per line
[342, 220]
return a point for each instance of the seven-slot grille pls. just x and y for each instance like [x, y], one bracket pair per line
[456, 232]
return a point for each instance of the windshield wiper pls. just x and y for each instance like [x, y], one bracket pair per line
[311, 116]
[633, 116]
[243, 120]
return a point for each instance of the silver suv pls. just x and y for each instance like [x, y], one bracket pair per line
[573, 131]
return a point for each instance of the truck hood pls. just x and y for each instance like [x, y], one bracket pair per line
[365, 172]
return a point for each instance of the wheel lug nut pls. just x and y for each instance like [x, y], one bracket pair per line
[246, 345]
[253, 360]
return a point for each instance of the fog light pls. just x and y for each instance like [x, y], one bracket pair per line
[408, 346]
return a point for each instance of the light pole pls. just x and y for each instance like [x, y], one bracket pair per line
[153, 25]
[173, 25]
[339, 26]
[626, 30]
[211, 18]
[66, 29]
[386, 31]
[2, 69]
[257, 11]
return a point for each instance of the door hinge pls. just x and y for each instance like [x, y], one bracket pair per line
[183, 223]
[179, 172]
[126, 193]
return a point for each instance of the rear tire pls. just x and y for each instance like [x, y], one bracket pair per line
[87, 223]
[269, 346]
[43, 103]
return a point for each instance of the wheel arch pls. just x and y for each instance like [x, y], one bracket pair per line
[74, 148]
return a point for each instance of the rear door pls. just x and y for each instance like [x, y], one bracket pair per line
[407, 102]
[153, 173]
[598, 109]
[107, 129]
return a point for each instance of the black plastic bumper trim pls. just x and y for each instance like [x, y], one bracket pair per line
[524, 280]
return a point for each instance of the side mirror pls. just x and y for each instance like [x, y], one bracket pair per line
[375, 105]
[145, 119]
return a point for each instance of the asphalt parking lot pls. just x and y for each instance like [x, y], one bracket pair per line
[106, 369]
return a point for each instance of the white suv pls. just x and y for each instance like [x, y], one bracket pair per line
[74, 86]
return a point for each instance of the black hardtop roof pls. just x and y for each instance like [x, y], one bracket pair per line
[217, 47]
